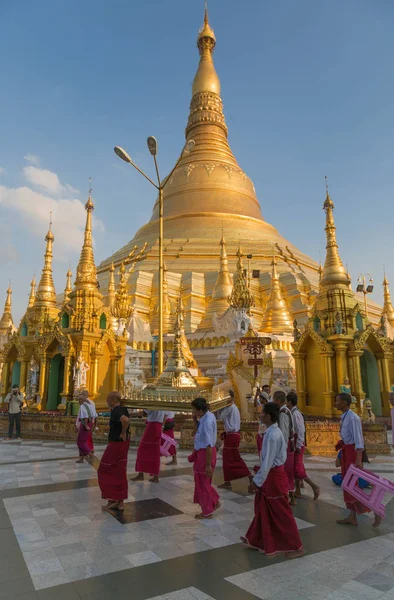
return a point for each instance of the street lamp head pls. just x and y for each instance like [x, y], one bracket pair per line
[122, 154]
[369, 289]
[152, 145]
[360, 288]
[189, 146]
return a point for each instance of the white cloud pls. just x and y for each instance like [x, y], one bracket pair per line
[33, 208]
[32, 158]
[47, 181]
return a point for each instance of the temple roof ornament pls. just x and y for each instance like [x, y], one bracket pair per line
[68, 288]
[388, 309]
[6, 320]
[32, 295]
[45, 301]
[241, 297]
[122, 308]
[277, 319]
[180, 329]
[334, 273]
[86, 271]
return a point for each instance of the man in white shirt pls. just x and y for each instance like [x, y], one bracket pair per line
[351, 446]
[234, 467]
[15, 402]
[300, 442]
[168, 429]
[148, 453]
[273, 528]
[287, 428]
[204, 459]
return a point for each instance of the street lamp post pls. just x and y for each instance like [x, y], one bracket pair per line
[152, 145]
[365, 289]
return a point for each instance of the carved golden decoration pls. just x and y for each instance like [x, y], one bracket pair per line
[56, 334]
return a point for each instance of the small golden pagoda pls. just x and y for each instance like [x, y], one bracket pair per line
[339, 348]
[276, 319]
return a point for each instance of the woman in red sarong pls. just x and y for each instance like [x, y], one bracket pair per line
[273, 529]
[148, 453]
[351, 446]
[204, 459]
[112, 472]
[286, 426]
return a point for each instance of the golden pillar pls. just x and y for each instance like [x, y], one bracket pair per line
[44, 371]
[23, 375]
[340, 347]
[329, 393]
[384, 359]
[66, 378]
[299, 359]
[93, 375]
[357, 390]
[5, 378]
[114, 373]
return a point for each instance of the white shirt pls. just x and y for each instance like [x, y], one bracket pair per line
[284, 423]
[351, 429]
[206, 432]
[231, 417]
[155, 416]
[170, 416]
[83, 412]
[299, 426]
[15, 402]
[273, 454]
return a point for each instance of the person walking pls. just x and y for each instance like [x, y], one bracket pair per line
[273, 529]
[287, 428]
[85, 423]
[148, 453]
[168, 429]
[112, 472]
[15, 402]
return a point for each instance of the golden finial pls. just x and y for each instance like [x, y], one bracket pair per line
[122, 308]
[68, 288]
[334, 273]
[277, 319]
[32, 295]
[6, 320]
[388, 309]
[46, 293]
[206, 79]
[86, 271]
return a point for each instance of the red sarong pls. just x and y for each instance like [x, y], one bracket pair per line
[348, 458]
[85, 439]
[289, 468]
[204, 493]
[234, 467]
[148, 453]
[170, 433]
[273, 528]
[299, 468]
[112, 472]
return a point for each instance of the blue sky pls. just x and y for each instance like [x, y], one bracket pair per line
[308, 91]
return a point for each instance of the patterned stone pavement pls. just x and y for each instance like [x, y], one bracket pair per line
[57, 543]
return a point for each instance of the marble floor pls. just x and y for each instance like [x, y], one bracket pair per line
[57, 543]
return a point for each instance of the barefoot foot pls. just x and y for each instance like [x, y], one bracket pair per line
[348, 521]
[200, 516]
[316, 493]
[226, 485]
[139, 477]
[155, 479]
[296, 554]
[377, 521]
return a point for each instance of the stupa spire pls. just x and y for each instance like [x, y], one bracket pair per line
[111, 287]
[334, 273]
[46, 293]
[32, 295]
[86, 271]
[6, 320]
[68, 288]
[388, 309]
[276, 319]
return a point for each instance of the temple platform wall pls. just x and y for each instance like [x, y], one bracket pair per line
[321, 435]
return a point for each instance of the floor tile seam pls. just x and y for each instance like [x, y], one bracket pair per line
[38, 460]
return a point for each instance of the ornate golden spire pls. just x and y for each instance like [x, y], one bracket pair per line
[241, 297]
[6, 319]
[32, 295]
[388, 309]
[180, 329]
[168, 313]
[334, 273]
[86, 270]
[206, 79]
[46, 293]
[221, 290]
[122, 308]
[68, 289]
[276, 319]
[111, 287]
